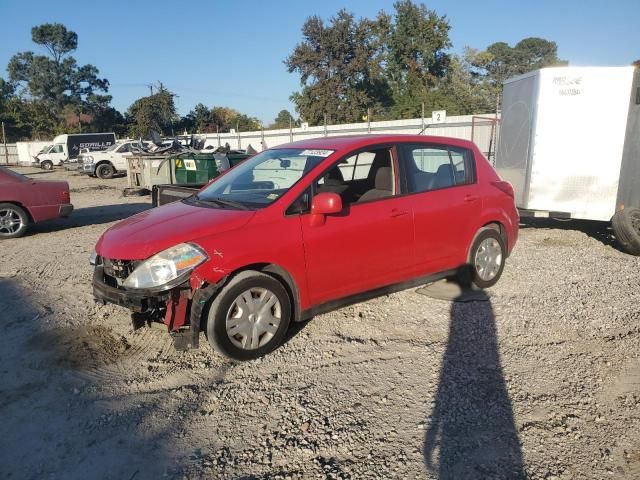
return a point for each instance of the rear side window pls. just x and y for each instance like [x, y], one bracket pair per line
[428, 167]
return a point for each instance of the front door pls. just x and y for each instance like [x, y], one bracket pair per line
[370, 243]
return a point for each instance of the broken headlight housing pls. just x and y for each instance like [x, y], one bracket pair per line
[167, 267]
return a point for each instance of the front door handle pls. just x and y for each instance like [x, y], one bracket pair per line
[396, 212]
[471, 198]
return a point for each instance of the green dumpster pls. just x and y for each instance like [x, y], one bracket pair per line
[195, 168]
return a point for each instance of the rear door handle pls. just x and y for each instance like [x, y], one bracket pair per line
[471, 198]
[396, 212]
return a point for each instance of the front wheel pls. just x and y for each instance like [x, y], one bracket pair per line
[487, 257]
[13, 221]
[249, 317]
[46, 165]
[105, 171]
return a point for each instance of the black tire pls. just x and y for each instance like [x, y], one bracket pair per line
[626, 226]
[12, 213]
[46, 165]
[224, 302]
[105, 171]
[486, 235]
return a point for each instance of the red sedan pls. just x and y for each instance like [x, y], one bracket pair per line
[304, 228]
[24, 201]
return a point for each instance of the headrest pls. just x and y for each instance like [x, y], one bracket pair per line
[384, 180]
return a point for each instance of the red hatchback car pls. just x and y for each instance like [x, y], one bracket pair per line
[305, 228]
[24, 201]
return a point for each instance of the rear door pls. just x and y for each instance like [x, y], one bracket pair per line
[441, 182]
[366, 246]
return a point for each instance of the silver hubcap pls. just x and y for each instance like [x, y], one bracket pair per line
[488, 259]
[10, 221]
[253, 318]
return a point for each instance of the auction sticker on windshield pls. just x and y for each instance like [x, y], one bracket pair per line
[317, 153]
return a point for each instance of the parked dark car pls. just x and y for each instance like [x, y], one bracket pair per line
[24, 201]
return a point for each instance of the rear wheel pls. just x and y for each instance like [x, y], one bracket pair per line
[250, 316]
[13, 221]
[626, 226]
[46, 165]
[105, 170]
[487, 257]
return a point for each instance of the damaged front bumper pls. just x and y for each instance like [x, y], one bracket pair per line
[139, 301]
[179, 308]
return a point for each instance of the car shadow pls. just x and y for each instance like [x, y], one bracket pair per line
[472, 432]
[90, 216]
[65, 406]
[598, 230]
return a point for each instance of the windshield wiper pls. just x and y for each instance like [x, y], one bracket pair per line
[223, 202]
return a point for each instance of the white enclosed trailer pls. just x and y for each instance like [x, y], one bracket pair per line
[570, 145]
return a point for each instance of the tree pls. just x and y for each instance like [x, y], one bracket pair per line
[283, 120]
[500, 61]
[461, 91]
[56, 80]
[225, 118]
[416, 57]
[339, 67]
[154, 112]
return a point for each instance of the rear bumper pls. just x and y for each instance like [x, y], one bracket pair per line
[65, 210]
[139, 301]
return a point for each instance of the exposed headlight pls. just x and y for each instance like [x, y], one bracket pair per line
[166, 266]
[93, 258]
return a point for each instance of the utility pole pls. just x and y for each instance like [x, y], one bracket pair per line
[290, 130]
[325, 124]
[422, 131]
[4, 141]
[369, 120]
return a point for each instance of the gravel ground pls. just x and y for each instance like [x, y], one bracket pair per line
[540, 380]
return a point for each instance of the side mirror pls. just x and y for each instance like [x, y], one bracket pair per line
[326, 203]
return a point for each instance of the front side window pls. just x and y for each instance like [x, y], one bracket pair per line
[56, 149]
[435, 167]
[262, 179]
[361, 177]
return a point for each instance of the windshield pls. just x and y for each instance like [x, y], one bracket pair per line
[261, 180]
[45, 149]
[112, 147]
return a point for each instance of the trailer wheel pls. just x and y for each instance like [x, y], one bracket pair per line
[46, 165]
[626, 226]
[105, 171]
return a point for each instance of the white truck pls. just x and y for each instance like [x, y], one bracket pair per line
[67, 147]
[570, 146]
[106, 163]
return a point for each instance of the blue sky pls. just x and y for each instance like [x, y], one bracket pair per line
[231, 53]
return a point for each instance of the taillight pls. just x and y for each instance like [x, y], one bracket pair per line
[504, 187]
[65, 197]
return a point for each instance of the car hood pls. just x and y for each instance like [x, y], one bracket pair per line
[157, 229]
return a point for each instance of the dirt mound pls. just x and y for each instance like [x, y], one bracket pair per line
[81, 348]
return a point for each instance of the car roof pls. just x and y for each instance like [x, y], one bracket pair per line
[348, 142]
